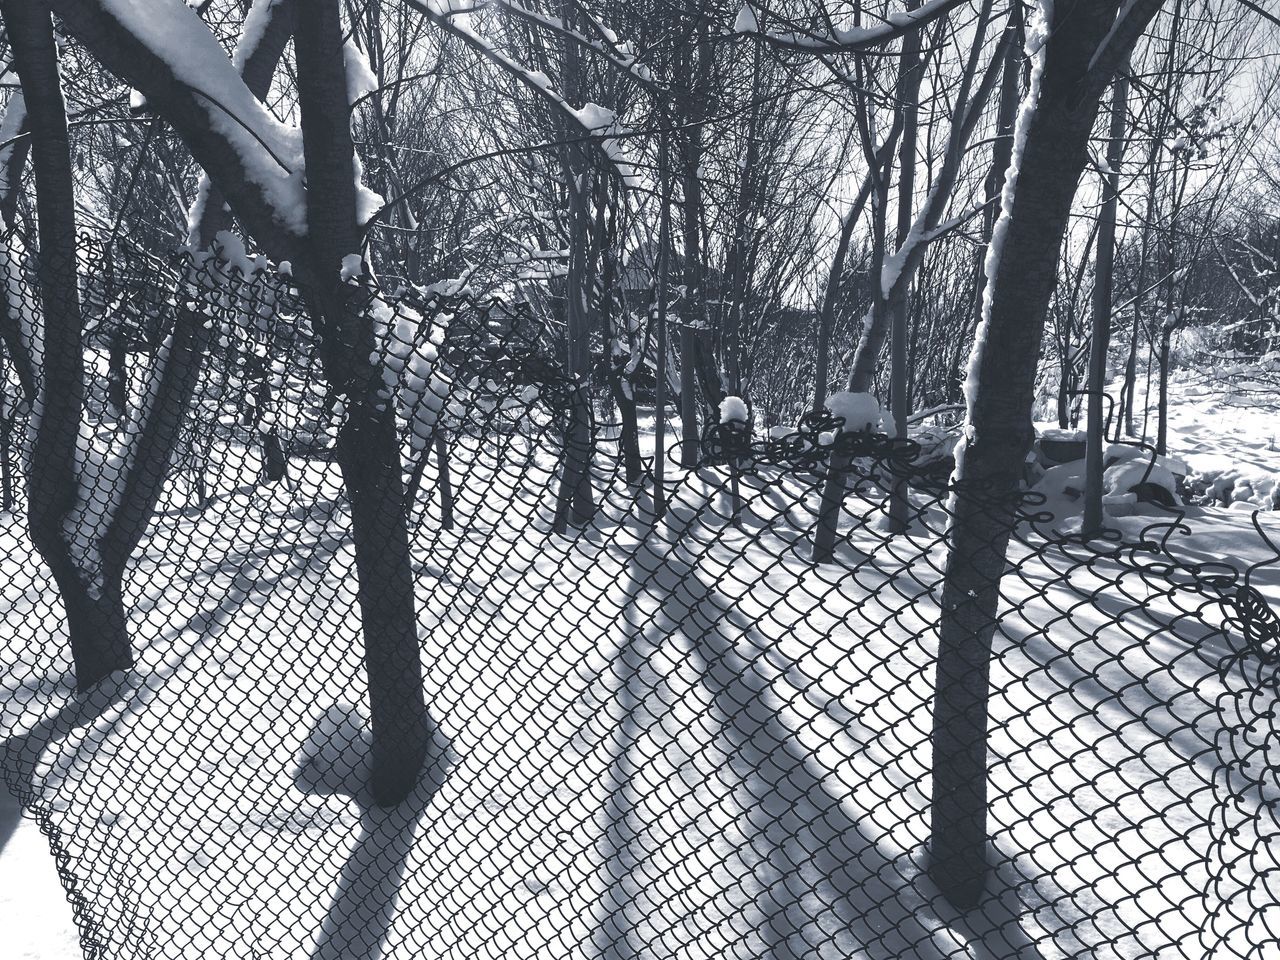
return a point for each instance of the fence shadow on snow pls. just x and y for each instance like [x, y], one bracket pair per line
[651, 737]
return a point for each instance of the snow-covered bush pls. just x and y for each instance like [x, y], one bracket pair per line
[860, 411]
[937, 443]
[1238, 488]
[1129, 478]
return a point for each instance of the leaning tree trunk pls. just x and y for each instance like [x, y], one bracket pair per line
[95, 617]
[367, 445]
[826, 530]
[1054, 129]
[95, 614]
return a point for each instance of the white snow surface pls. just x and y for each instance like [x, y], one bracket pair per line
[861, 411]
[690, 719]
[733, 410]
[361, 79]
[34, 913]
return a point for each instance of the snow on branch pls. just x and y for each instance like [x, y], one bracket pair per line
[615, 51]
[269, 151]
[759, 20]
[597, 123]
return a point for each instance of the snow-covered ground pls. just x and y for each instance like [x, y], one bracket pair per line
[673, 741]
[34, 914]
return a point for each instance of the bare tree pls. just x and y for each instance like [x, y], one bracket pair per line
[1080, 48]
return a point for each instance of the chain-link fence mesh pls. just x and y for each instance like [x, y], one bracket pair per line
[674, 736]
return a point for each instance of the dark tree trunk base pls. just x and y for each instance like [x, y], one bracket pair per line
[826, 532]
[369, 459]
[98, 632]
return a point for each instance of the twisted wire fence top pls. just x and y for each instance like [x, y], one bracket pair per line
[672, 736]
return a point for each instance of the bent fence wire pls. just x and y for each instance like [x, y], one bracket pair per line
[675, 737]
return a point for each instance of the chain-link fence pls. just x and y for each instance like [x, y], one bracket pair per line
[645, 736]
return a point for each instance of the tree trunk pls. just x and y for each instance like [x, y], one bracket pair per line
[154, 432]
[897, 294]
[575, 474]
[6, 447]
[734, 300]
[660, 347]
[99, 644]
[621, 376]
[629, 440]
[1024, 261]
[1162, 409]
[831, 293]
[1102, 301]
[445, 481]
[578, 282]
[694, 326]
[699, 373]
[861, 377]
[98, 628]
[117, 376]
[367, 448]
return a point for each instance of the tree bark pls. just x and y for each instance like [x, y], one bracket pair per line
[578, 176]
[698, 369]
[95, 617]
[831, 292]
[117, 375]
[367, 447]
[1077, 66]
[1102, 302]
[897, 294]
[696, 353]
[621, 376]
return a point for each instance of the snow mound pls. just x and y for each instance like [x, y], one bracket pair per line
[1057, 433]
[936, 443]
[733, 410]
[860, 411]
[1236, 487]
[1129, 476]
[1125, 484]
[1116, 452]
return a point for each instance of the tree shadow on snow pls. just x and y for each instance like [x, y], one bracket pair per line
[809, 878]
[335, 760]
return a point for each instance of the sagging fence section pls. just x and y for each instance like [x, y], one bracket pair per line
[647, 732]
